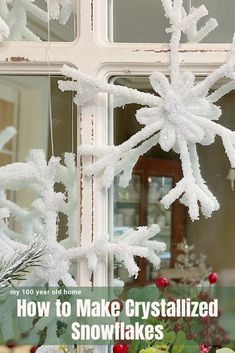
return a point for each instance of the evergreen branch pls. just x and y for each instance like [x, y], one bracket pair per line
[18, 266]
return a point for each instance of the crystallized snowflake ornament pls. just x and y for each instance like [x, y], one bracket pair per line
[181, 115]
[42, 218]
[41, 221]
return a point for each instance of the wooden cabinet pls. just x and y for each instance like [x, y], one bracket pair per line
[139, 205]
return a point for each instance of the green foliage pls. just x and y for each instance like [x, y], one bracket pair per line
[19, 265]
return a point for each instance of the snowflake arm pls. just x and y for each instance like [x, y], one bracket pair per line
[14, 17]
[192, 33]
[227, 70]
[6, 135]
[222, 91]
[49, 349]
[61, 10]
[132, 243]
[86, 88]
[17, 19]
[112, 162]
[191, 187]
[68, 176]
[4, 29]
[227, 136]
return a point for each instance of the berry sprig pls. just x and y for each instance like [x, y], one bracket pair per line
[120, 348]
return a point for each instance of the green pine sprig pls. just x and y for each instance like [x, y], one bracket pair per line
[18, 266]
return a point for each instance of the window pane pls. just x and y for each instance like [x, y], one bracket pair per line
[154, 175]
[158, 187]
[24, 104]
[34, 21]
[144, 21]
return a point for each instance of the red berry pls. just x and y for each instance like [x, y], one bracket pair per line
[125, 348]
[213, 277]
[120, 348]
[204, 348]
[33, 349]
[11, 344]
[162, 282]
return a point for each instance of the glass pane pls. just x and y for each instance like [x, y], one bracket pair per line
[194, 250]
[144, 21]
[158, 187]
[34, 21]
[24, 104]
[127, 204]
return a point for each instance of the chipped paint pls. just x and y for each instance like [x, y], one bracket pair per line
[159, 51]
[92, 15]
[81, 181]
[152, 50]
[17, 59]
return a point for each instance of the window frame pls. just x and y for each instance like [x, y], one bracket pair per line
[107, 60]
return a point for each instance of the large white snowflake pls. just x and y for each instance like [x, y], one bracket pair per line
[42, 218]
[14, 16]
[180, 116]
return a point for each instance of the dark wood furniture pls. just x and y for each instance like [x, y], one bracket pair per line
[140, 205]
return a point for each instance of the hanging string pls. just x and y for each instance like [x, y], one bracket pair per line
[190, 5]
[72, 125]
[49, 77]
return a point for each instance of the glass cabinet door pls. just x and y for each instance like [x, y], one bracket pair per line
[158, 187]
[140, 205]
[127, 205]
